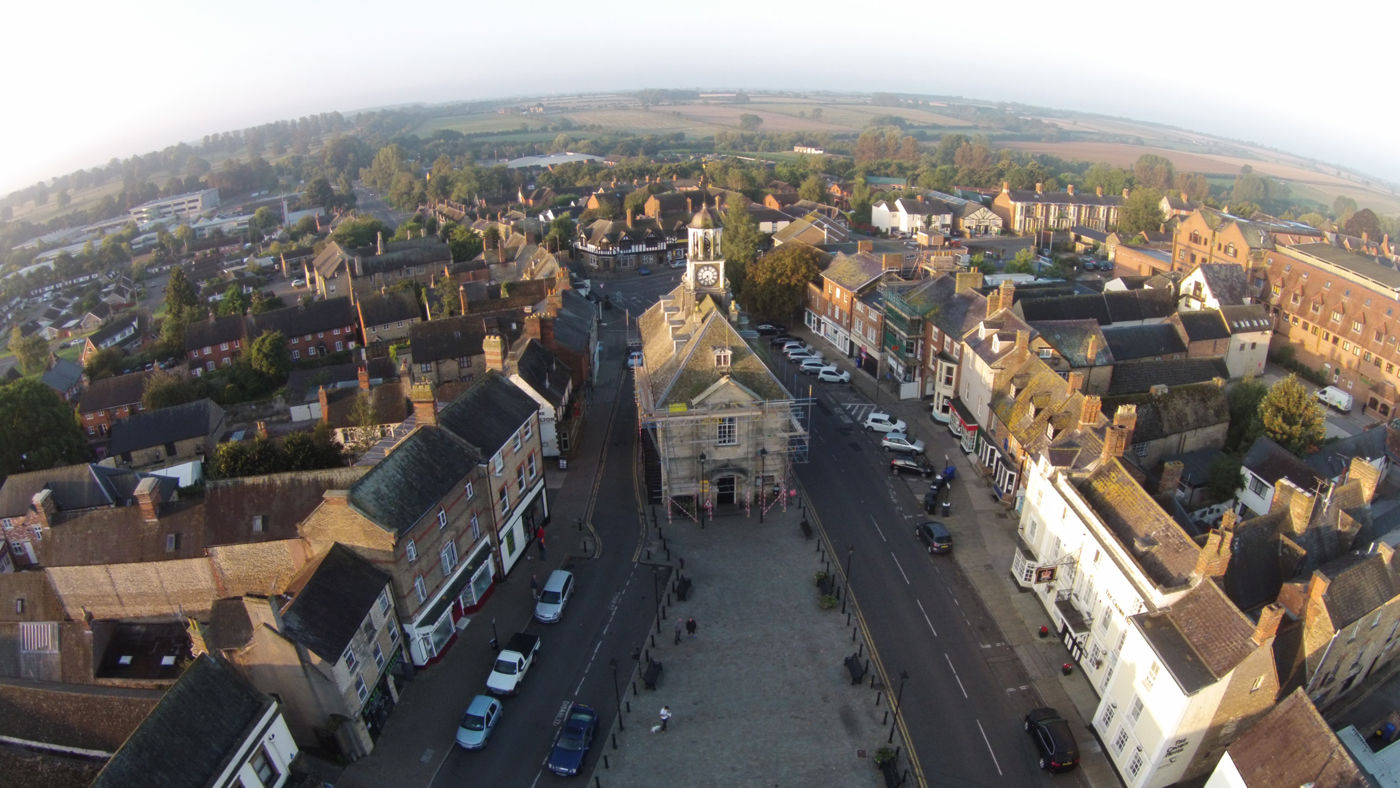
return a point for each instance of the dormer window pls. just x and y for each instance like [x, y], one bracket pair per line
[723, 356]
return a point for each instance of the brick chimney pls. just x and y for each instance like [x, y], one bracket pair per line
[1090, 411]
[1214, 557]
[1171, 476]
[1040, 188]
[1006, 295]
[1366, 475]
[629, 217]
[148, 498]
[424, 404]
[1098, 190]
[494, 347]
[1126, 417]
[1185, 198]
[1115, 442]
[363, 374]
[336, 498]
[462, 296]
[540, 327]
[1300, 510]
[1069, 189]
[1091, 349]
[1075, 379]
[1023, 343]
[379, 242]
[865, 246]
[1005, 187]
[891, 261]
[1125, 192]
[1269, 618]
[1317, 591]
[966, 281]
[262, 429]
[45, 507]
[324, 399]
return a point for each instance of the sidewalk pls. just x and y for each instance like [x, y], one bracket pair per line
[419, 734]
[984, 555]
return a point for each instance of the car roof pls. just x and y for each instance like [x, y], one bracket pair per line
[936, 527]
[557, 576]
[480, 704]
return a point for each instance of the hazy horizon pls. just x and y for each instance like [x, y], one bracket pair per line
[208, 72]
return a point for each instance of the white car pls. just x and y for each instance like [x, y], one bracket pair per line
[881, 421]
[811, 366]
[797, 354]
[830, 374]
[898, 441]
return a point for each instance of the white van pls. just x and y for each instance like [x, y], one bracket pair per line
[1335, 398]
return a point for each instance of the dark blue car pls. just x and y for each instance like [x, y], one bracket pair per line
[572, 742]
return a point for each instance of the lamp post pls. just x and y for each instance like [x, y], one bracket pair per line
[762, 455]
[850, 551]
[617, 693]
[898, 704]
[495, 641]
[702, 499]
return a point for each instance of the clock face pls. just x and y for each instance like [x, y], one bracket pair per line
[707, 275]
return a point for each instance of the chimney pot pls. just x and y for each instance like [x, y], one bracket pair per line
[1269, 619]
[1075, 379]
[148, 498]
[1040, 188]
[424, 404]
[1171, 477]
[1090, 411]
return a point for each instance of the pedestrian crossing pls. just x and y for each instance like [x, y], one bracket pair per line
[857, 410]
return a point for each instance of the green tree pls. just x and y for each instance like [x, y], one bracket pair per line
[172, 336]
[359, 233]
[362, 432]
[1342, 207]
[319, 193]
[813, 188]
[561, 233]
[1022, 263]
[105, 363]
[235, 301]
[1314, 219]
[181, 299]
[449, 297]
[262, 303]
[1223, 477]
[741, 241]
[166, 389]
[750, 122]
[1142, 211]
[464, 242]
[1245, 427]
[32, 351]
[1361, 222]
[184, 234]
[270, 355]
[37, 429]
[1154, 171]
[264, 220]
[306, 451]
[777, 282]
[1291, 416]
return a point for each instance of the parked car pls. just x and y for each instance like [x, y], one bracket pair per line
[572, 741]
[512, 663]
[767, 329]
[1054, 738]
[1336, 398]
[796, 353]
[782, 339]
[558, 587]
[830, 374]
[643, 271]
[634, 359]
[898, 441]
[880, 421]
[935, 536]
[298, 283]
[477, 723]
[748, 333]
[811, 366]
[906, 464]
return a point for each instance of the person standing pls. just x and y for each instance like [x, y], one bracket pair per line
[680, 622]
[534, 586]
[665, 717]
[691, 626]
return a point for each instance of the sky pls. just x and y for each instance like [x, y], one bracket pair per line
[86, 81]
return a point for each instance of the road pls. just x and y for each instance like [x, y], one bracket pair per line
[369, 203]
[609, 614]
[965, 695]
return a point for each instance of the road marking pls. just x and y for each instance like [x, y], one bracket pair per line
[995, 762]
[955, 674]
[901, 569]
[877, 529]
[926, 618]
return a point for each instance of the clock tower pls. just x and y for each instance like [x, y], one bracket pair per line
[704, 262]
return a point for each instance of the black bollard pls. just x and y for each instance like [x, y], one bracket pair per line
[628, 704]
[634, 688]
[848, 619]
[614, 738]
[658, 629]
[878, 695]
[648, 553]
[605, 763]
[668, 598]
[853, 634]
[668, 553]
[886, 720]
[860, 652]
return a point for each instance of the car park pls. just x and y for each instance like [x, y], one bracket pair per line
[572, 741]
[900, 442]
[478, 722]
[1053, 738]
[880, 421]
[558, 587]
[811, 366]
[935, 536]
[830, 374]
[907, 464]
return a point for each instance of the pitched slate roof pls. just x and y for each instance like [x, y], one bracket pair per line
[1144, 341]
[679, 360]
[1228, 282]
[1200, 638]
[488, 413]
[379, 309]
[75, 488]
[216, 331]
[1165, 552]
[813, 229]
[63, 376]
[1360, 584]
[1134, 378]
[401, 254]
[1064, 197]
[387, 404]
[1114, 306]
[854, 271]
[132, 322]
[406, 485]
[1071, 339]
[188, 738]
[1333, 459]
[1271, 462]
[197, 419]
[543, 372]
[113, 392]
[305, 319]
[1316, 756]
[1181, 409]
[1261, 559]
[269, 507]
[1351, 261]
[448, 338]
[338, 593]
[1203, 325]
[1247, 318]
[574, 320]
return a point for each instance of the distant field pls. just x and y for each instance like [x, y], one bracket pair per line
[477, 123]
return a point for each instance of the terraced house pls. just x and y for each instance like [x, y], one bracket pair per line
[1025, 212]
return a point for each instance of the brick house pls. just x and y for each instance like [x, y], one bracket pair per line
[446, 350]
[214, 343]
[108, 401]
[120, 333]
[160, 437]
[832, 306]
[1024, 211]
[353, 273]
[387, 317]
[312, 330]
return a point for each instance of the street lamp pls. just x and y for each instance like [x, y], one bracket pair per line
[701, 500]
[898, 704]
[850, 551]
[762, 455]
[617, 693]
[495, 641]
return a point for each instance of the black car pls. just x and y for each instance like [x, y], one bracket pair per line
[911, 464]
[766, 329]
[782, 339]
[1054, 739]
[935, 536]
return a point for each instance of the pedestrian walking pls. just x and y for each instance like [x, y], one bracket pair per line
[665, 717]
[541, 549]
[539, 532]
[690, 626]
[680, 622]
[534, 586]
